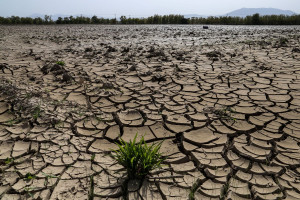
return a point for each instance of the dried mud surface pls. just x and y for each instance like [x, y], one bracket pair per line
[226, 102]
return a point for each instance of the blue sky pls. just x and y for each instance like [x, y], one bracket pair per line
[137, 8]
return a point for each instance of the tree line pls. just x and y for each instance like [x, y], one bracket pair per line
[255, 19]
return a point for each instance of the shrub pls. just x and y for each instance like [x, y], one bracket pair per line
[138, 158]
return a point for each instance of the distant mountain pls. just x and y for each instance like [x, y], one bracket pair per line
[243, 12]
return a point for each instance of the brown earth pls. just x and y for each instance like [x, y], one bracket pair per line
[226, 102]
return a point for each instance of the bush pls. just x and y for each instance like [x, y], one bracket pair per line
[138, 158]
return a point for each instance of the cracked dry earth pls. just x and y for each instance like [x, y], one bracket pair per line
[225, 102]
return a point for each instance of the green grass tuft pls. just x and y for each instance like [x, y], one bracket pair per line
[193, 189]
[36, 112]
[61, 63]
[29, 176]
[8, 161]
[138, 158]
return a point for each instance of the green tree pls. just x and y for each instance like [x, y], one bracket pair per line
[15, 20]
[123, 20]
[59, 20]
[71, 20]
[95, 20]
[255, 19]
[47, 19]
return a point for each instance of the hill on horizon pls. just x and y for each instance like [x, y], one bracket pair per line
[243, 12]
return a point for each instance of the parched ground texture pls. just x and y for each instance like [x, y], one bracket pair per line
[224, 101]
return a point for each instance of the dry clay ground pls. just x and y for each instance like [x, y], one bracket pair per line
[225, 101]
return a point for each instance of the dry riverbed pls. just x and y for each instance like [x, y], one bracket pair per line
[225, 101]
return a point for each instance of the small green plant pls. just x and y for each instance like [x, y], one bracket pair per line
[93, 157]
[194, 188]
[224, 113]
[99, 118]
[28, 177]
[9, 161]
[249, 42]
[47, 91]
[61, 63]
[59, 124]
[268, 161]
[107, 86]
[283, 41]
[36, 112]
[58, 102]
[48, 176]
[11, 122]
[28, 95]
[91, 192]
[29, 190]
[138, 158]
[224, 191]
[80, 113]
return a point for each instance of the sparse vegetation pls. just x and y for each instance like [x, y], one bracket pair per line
[281, 42]
[93, 157]
[7, 87]
[91, 192]
[61, 63]
[28, 191]
[59, 124]
[138, 158]
[29, 177]
[48, 177]
[214, 55]
[224, 113]
[23, 102]
[11, 122]
[36, 112]
[8, 161]
[194, 188]
[255, 19]
[224, 191]
[107, 86]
